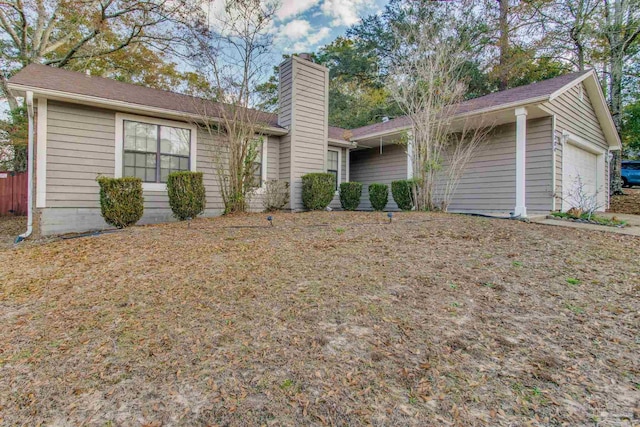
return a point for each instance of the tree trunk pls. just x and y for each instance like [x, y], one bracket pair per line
[504, 44]
[11, 99]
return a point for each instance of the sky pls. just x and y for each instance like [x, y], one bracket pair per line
[305, 25]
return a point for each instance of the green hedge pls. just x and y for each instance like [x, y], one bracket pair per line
[187, 196]
[402, 192]
[378, 196]
[350, 193]
[317, 190]
[121, 201]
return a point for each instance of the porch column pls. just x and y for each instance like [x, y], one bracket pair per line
[347, 160]
[521, 149]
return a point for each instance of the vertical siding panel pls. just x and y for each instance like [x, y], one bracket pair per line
[369, 166]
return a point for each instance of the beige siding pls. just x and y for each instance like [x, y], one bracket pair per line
[578, 117]
[285, 119]
[488, 183]
[81, 146]
[309, 126]
[369, 166]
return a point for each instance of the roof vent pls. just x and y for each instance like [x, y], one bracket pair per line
[306, 57]
[385, 119]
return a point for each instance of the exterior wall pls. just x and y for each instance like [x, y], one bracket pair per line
[285, 119]
[335, 203]
[577, 116]
[489, 181]
[81, 146]
[369, 166]
[306, 114]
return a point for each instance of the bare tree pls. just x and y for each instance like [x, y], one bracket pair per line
[569, 28]
[234, 54]
[428, 88]
[57, 32]
[620, 28]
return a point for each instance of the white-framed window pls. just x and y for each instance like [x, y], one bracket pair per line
[151, 149]
[260, 163]
[333, 165]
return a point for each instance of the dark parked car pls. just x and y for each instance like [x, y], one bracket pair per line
[630, 173]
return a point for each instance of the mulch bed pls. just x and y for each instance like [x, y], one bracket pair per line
[629, 203]
[328, 318]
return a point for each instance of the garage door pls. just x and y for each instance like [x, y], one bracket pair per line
[579, 176]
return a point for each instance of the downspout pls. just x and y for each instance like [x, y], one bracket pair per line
[20, 238]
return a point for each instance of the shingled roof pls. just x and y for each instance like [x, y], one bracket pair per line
[55, 79]
[72, 82]
[517, 95]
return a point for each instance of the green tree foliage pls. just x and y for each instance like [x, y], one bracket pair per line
[13, 141]
[631, 130]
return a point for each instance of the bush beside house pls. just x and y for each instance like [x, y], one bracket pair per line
[378, 196]
[402, 192]
[121, 201]
[276, 195]
[317, 190]
[350, 193]
[187, 195]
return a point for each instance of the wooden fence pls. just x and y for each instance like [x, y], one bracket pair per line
[13, 193]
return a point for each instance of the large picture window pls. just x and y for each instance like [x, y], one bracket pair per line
[152, 152]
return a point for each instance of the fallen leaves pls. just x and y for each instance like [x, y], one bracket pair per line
[431, 319]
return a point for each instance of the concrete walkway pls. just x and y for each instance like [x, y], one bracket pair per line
[632, 228]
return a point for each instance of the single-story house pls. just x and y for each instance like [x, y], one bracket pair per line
[545, 135]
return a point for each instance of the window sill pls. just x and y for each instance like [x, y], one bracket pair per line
[154, 186]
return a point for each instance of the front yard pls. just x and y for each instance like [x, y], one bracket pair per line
[324, 319]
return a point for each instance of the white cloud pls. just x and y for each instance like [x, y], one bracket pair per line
[345, 12]
[289, 8]
[295, 29]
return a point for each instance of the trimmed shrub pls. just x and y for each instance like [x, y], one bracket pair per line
[317, 190]
[121, 201]
[350, 193]
[187, 196]
[276, 195]
[403, 194]
[378, 196]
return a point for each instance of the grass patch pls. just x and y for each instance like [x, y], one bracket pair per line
[593, 218]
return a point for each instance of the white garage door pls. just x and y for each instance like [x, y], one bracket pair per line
[579, 176]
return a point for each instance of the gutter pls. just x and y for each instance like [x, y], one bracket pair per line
[23, 236]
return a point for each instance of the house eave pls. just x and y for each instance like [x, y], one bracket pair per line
[126, 107]
[342, 143]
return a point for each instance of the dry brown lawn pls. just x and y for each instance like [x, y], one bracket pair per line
[324, 319]
[10, 228]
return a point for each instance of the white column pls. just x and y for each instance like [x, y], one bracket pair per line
[521, 149]
[348, 151]
[409, 155]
